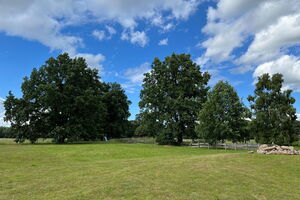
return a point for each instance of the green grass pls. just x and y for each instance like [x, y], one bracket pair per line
[140, 171]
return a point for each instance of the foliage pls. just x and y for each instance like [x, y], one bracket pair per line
[63, 99]
[5, 132]
[131, 128]
[117, 105]
[147, 125]
[273, 111]
[223, 116]
[172, 95]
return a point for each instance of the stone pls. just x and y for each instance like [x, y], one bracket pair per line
[277, 150]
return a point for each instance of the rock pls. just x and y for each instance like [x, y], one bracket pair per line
[277, 150]
[250, 152]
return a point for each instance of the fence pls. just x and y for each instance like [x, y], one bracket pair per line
[149, 140]
[225, 146]
[140, 140]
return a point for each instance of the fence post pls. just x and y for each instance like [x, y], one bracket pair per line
[235, 146]
[225, 146]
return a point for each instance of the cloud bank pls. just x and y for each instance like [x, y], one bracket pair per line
[266, 32]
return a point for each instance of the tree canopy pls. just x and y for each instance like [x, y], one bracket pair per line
[5, 132]
[273, 111]
[64, 99]
[223, 116]
[172, 95]
[117, 106]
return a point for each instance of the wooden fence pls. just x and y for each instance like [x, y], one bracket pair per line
[148, 140]
[225, 146]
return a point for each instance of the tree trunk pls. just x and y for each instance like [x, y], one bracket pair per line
[61, 140]
[179, 138]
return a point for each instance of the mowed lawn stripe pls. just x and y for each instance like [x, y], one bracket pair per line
[131, 171]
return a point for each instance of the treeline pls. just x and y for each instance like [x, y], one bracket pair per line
[177, 103]
[66, 100]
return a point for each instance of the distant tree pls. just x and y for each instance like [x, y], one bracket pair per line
[131, 127]
[147, 125]
[297, 127]
[117, 104]
[223, 116]
[273, 111]
[5, 132]
[63, 99]
[297, 130]
[172, 95]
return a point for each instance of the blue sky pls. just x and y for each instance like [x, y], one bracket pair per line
[232, 40]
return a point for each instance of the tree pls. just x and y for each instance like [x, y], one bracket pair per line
[273, 111]
[172, 95]
[63, 99]
[147, 125]
[5, 132]
[223, 116]
[117, 104]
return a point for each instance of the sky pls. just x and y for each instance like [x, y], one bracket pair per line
[235, 41]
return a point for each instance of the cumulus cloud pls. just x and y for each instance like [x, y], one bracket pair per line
[135, 77]
[271, 42]
[288, 66]
[111, 30]
[93, 61]
[163, 42]
[136, 37]
[101, 34]
[242, 69]
[262, 32]
[136, 74]
[274, 25]
[44, 21]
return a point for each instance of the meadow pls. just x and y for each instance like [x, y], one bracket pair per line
[143, 171]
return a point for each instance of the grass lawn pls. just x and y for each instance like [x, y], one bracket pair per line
[141, 171]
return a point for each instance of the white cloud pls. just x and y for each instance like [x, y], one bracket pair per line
[135, 77]
[43, 21]
[202, 60]
[2, 112]
[298, 116]
[231, 24]
[288, 66]
[110, 30]
[163, 42]
[136, 74]
[100, 35]
[265, 29]
[242, 69]
[135, 37]
[270, 43]
[92, 60]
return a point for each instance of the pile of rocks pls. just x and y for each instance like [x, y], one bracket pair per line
[277, 150]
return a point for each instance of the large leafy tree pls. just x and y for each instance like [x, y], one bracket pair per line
[117, 104]
[172, 95]
[223, 116]
[273, 111]
[63, 99]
